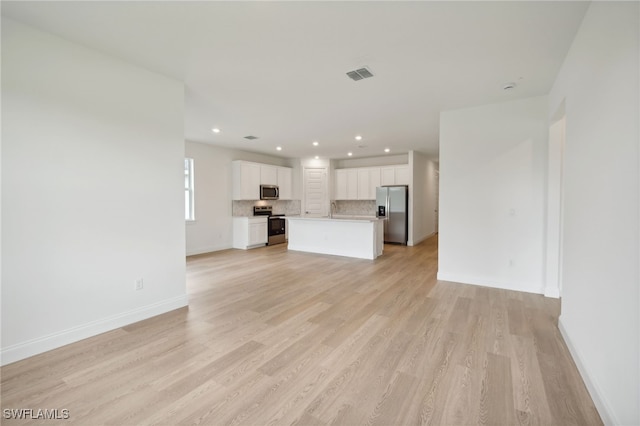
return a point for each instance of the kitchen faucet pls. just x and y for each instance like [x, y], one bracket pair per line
[334, 207]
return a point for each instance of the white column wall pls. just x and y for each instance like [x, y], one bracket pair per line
[92, 192]
[599, 84]
[492, 166]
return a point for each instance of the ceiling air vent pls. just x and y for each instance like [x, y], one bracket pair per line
[359, 74]
[251, 137]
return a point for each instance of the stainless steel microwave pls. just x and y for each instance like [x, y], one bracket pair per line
[269, 192]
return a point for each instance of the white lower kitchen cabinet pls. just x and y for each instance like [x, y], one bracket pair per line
[250, 232]
[351, 236]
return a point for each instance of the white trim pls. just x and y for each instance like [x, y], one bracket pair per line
[46, 343]
[552, 291]
[554, 204]
[208, 249]
[189, 170]
[604, 409]
[488, 282]
[415, 242]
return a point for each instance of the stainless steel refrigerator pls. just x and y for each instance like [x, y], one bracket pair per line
[393, 204]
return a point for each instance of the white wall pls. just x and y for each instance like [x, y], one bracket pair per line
[386, 160]
[92, 176]
[600, 296]
[492, 165]
[212, 228]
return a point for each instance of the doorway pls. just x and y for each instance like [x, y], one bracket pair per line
[556, 146]
[315, 191]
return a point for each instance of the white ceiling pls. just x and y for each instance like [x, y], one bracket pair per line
[276, 70]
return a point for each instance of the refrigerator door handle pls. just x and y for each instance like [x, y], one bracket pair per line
[387, 205]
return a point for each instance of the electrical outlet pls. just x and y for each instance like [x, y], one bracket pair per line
[139, 284]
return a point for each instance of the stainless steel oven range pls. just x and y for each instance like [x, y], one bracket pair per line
[276, 224]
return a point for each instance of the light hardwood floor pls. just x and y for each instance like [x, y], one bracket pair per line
[276, 338]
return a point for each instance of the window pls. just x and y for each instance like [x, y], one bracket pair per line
[188, 189]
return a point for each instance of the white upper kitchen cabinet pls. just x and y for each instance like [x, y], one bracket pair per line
[341, 185]
[363, 184]
[357, 183]
[360, 183]
[368, 181]
[285, 183]
[403, 176]
[268, 175]
[352, 184]
[246, 180]
[388, 176]
[346, 184]
[248, 176]
[374, 182]
[395, 175]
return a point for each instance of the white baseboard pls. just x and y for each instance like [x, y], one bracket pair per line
[553, 292]
[46, 343]
[487, 282]
[417, 241]
[208, 249]
[606, 414]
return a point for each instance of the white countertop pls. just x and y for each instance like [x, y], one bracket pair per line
[337, 218]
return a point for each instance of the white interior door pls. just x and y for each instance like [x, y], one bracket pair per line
[315, 192]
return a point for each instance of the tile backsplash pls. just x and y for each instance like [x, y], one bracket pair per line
[356, 207]
[286, 207]
[294, 207]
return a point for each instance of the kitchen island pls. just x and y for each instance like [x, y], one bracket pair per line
[351, 236]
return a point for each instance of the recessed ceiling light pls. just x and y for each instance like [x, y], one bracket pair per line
[349, 154]
[215, 130]
[279, 148]
[316, 157]
[358, 138]
[315, 143]
[387, 150]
